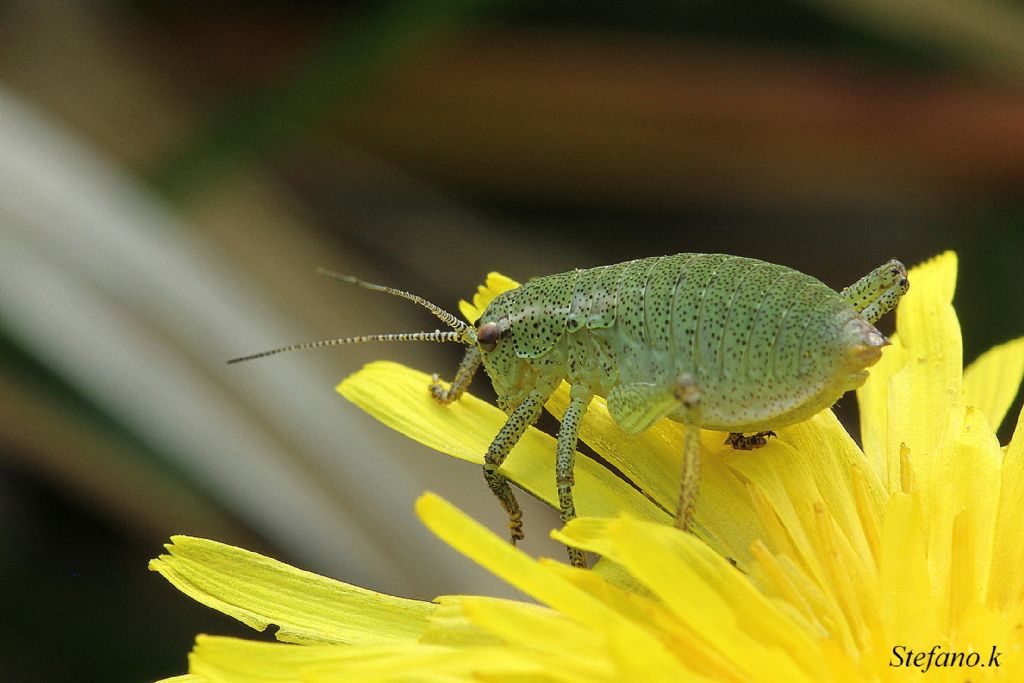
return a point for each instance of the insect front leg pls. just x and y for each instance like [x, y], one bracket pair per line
[467, 368]
[568, 436]
[522, 417]
[689, 484]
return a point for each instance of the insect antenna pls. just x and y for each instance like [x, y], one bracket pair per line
[460, 332]
[435, 336]
[442, 315]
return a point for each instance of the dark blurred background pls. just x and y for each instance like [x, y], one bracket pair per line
[171, 174]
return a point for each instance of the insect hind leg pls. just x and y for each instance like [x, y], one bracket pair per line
[464, 375]
[568, 436]
[522, 417]
[879, 291]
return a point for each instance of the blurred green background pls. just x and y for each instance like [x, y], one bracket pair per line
[171, 174]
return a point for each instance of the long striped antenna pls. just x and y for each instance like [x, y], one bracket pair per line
[435, 336]
[443, 315]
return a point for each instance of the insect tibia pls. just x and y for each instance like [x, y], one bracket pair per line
[435, 336]
[441, 314]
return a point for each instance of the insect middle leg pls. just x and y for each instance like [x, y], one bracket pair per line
[568, 437]
[522, 417]
[689, 483]
[879, 291]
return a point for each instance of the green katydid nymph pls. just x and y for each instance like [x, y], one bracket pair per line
[710, 341]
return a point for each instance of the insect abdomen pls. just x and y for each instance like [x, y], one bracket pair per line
[738, 325]
[746, 330]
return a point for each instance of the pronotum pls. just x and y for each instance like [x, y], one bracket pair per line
[708, 340]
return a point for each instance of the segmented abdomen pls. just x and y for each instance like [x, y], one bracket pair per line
[752, 333]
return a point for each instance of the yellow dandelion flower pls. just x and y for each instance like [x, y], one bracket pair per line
[843, 564]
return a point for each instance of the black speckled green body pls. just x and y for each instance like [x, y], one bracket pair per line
[708, 340]
[766, 345]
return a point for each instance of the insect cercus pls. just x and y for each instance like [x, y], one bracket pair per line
[710, 341]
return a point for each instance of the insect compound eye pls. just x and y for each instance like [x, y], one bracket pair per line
[487, 336]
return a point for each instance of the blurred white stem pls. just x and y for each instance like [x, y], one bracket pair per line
[103, 285]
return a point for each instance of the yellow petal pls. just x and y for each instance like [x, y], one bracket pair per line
[496, 284]
[398, 397]
[909, 614]
[607, 581]
[727, 627]
[230, 660]
[186, 678]
[423, 665]
[961, 489]
[480, 545]
[915, 401]
[233, 660]
[307, 608]
[804, 490]
[652, 460]
[449, 625]
[614, 586]
[991, 382]
[570, 643]
[790, 493]
[613, 651]
[632, 659]
[1006, 577]
[873, 405]
[828, 455]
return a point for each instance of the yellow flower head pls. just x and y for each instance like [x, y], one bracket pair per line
[844, 564]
